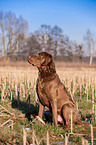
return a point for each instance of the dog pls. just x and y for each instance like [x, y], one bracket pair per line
[52, 92]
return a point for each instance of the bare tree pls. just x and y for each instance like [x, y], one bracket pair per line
[90, 44]
[13, 32]
[16, 28]
[44, 37]
[64, 41]
[32, 45]
[50, 44]
[57, 34]
[2, 28]
[78, 51]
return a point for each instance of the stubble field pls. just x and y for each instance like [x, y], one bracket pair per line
[19, 123]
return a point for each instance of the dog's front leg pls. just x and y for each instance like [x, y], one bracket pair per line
[41, 110]
[54, 111]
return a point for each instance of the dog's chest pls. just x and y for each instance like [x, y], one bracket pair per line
[46, 89]
[41, 84]
[40, 88]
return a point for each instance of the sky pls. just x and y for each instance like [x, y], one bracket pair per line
[75, 17]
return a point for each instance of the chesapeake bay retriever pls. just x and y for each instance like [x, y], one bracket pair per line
[51, 92]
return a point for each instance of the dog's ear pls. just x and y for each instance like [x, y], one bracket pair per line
[47, 59]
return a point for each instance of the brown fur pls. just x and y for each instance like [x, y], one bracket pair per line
[51, 92]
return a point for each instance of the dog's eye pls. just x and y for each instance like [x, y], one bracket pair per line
[43, 59]
[38, 57]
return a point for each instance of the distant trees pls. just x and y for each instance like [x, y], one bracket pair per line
[12, 33]
[15, 42]
[52, 40]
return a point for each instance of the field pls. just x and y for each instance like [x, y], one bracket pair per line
[19, 123]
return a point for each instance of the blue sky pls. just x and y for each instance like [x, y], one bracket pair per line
[73, 16]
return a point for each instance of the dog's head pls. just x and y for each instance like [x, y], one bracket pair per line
[41, 59]
[44, 63]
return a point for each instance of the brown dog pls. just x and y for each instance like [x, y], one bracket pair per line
[51, 92]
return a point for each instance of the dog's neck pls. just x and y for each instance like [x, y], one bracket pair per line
[47, 73]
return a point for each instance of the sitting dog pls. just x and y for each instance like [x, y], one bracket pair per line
[51, 92]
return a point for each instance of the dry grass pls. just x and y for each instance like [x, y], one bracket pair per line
[79, 81]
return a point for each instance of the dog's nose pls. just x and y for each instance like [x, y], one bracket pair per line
[29, 57]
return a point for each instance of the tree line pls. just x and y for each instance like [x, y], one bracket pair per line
[15, 42]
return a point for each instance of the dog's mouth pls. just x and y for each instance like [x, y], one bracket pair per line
[30, 63]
